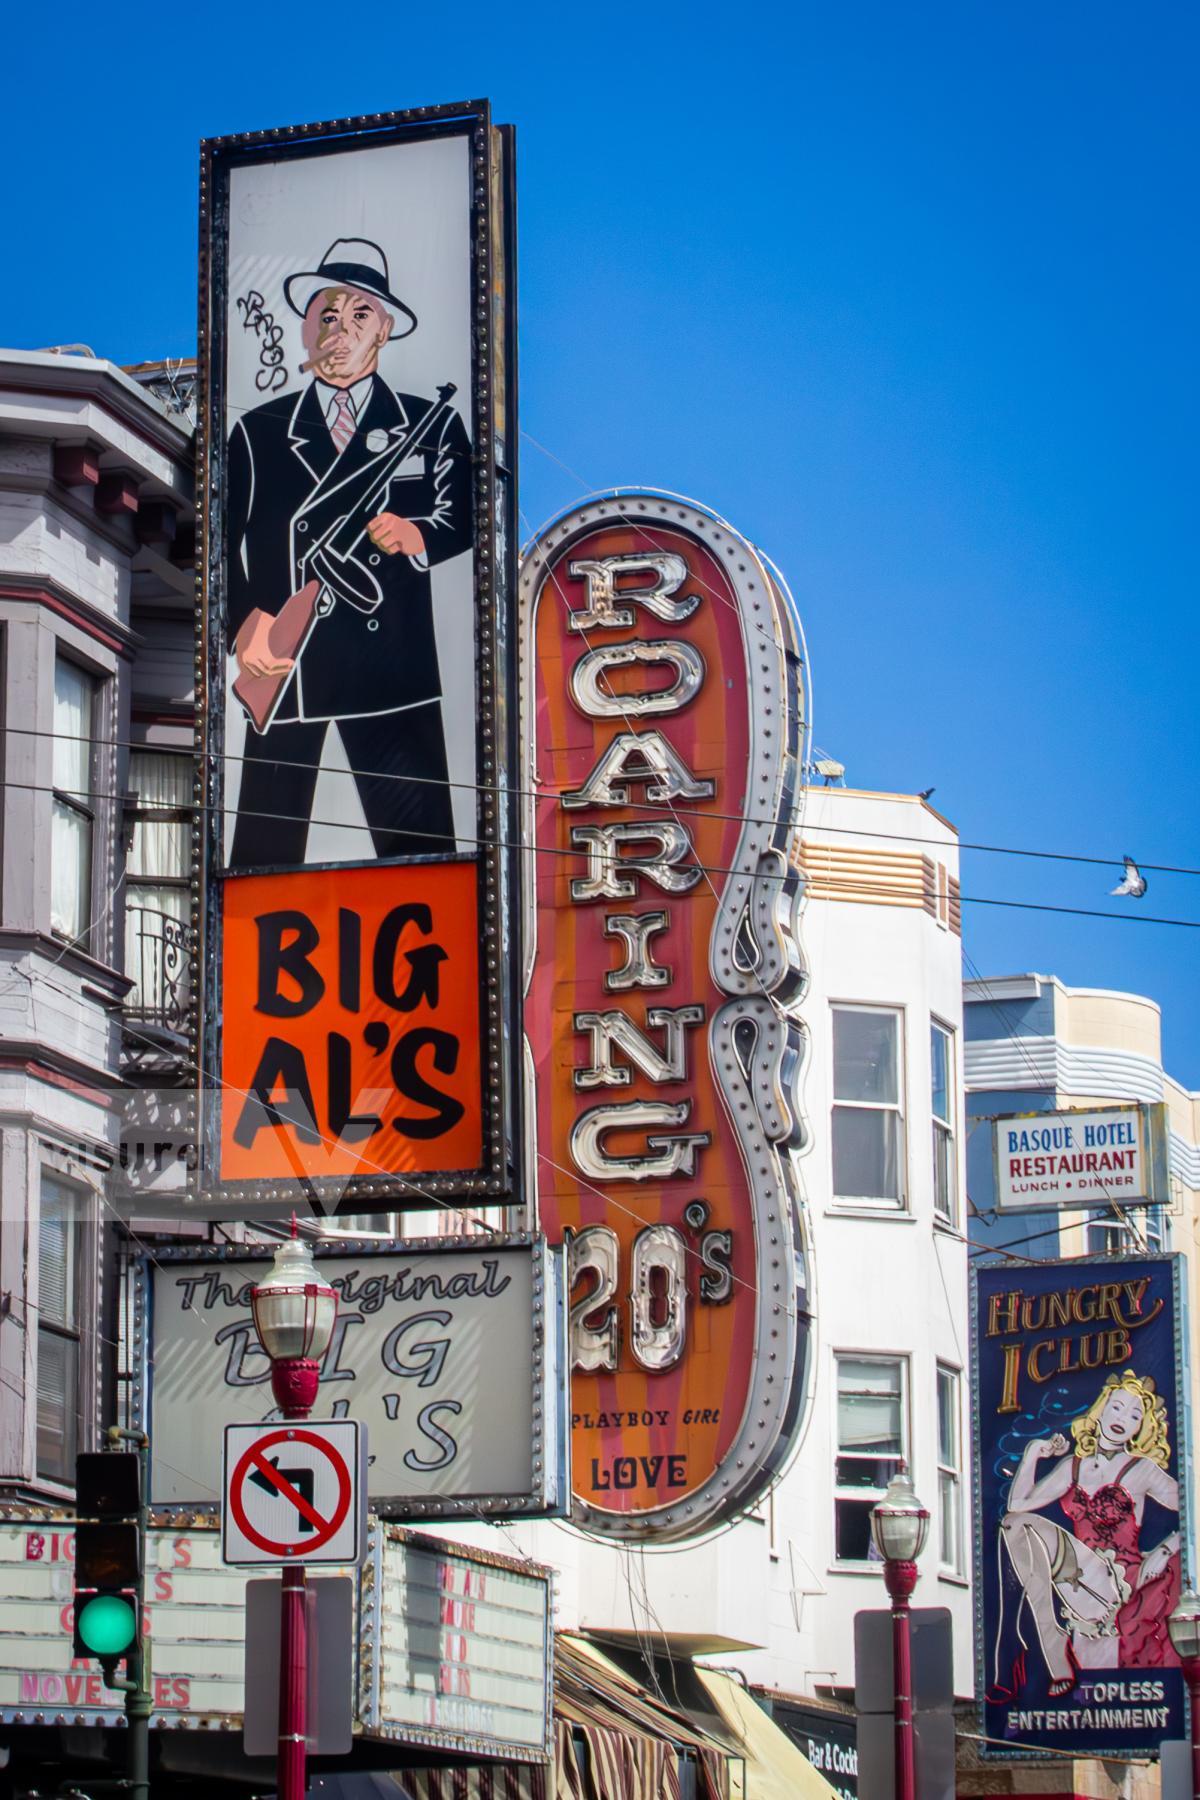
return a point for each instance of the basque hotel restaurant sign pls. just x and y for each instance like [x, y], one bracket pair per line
[1082, 1158]
[357, 333]
[661, 704]
[1082, 1507]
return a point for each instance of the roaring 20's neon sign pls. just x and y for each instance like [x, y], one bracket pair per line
[661, 696]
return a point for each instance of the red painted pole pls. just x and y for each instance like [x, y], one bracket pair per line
[294, 1383]
[293, 1686]
[1191, 1669]
[900, 1579]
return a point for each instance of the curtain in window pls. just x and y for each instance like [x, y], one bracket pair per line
[58, 1325]
[70, 872]
[57, 1405]
[160, 846]
[71, 829]
[72, 730]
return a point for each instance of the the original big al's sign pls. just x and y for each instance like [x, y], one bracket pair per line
[661, 696]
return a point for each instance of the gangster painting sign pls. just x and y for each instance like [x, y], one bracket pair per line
[662, 685]
[344, 495]
[356, 324]
[1081, 1507]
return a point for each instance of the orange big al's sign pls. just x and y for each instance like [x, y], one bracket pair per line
[350, 1045]
[661, 695]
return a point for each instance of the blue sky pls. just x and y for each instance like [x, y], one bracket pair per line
[908, 294]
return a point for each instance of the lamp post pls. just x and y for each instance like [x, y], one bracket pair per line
[899, 1525]
[1184, 1627]
[294, 1313]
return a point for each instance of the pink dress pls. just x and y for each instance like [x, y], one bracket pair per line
[1105, 1520]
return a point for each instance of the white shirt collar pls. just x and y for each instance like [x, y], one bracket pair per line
[359, 395]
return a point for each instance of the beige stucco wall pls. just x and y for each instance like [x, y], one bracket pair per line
[1109, 1021]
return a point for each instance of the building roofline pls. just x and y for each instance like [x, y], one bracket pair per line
[1030, 985]
[45, 371]
[813, 787]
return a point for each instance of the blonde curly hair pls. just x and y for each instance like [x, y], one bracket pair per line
[1151, 1438]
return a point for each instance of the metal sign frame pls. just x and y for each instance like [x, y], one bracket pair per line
[1082, 1266]
[549, 1493]
[173, 1522]
[494, 463]
[752, 1044]
[1154, 1142]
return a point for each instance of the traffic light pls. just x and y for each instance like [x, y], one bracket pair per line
[108, 1557]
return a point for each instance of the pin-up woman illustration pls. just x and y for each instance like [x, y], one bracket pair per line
[1097, 1599]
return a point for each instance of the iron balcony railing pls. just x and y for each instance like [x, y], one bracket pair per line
[159, 958]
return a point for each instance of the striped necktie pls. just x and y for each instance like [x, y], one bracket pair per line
[342, 429]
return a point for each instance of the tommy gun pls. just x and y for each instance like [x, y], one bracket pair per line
[332, 566]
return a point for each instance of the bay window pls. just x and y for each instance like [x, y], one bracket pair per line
[872, 1441]
[945, 1173]
[58, 1330]
[950, 1505]
[157, 910]
[74, 818]
[868, 1123]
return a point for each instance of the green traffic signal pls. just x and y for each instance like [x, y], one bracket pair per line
[105, 1624]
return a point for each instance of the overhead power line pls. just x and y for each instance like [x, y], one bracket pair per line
[500, 788]
[452, 839]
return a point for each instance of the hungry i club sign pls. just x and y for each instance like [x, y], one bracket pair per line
[661, 682]
[1082, 1512]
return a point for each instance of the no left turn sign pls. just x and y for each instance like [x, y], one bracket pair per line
[293, 1493]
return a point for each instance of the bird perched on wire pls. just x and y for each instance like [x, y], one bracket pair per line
[1133, 883]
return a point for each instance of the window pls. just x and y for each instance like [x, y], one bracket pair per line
[74, 816]
[1138, 1228]
[950, 1514]
[58, 1396]
[157, 911]
[367, 1224]
[871, 1444]
[941, 1061]
[868, 1129]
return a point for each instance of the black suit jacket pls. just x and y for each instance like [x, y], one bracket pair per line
[281, 456]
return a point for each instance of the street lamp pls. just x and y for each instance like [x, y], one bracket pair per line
[294, 1313]
[1184, 1627]
[899, 1525]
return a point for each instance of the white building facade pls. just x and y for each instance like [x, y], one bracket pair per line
[882, 1174]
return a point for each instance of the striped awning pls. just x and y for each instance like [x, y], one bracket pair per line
[491, 1781]
[613, 1741]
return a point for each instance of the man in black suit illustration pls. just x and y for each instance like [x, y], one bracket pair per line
[367, 660]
